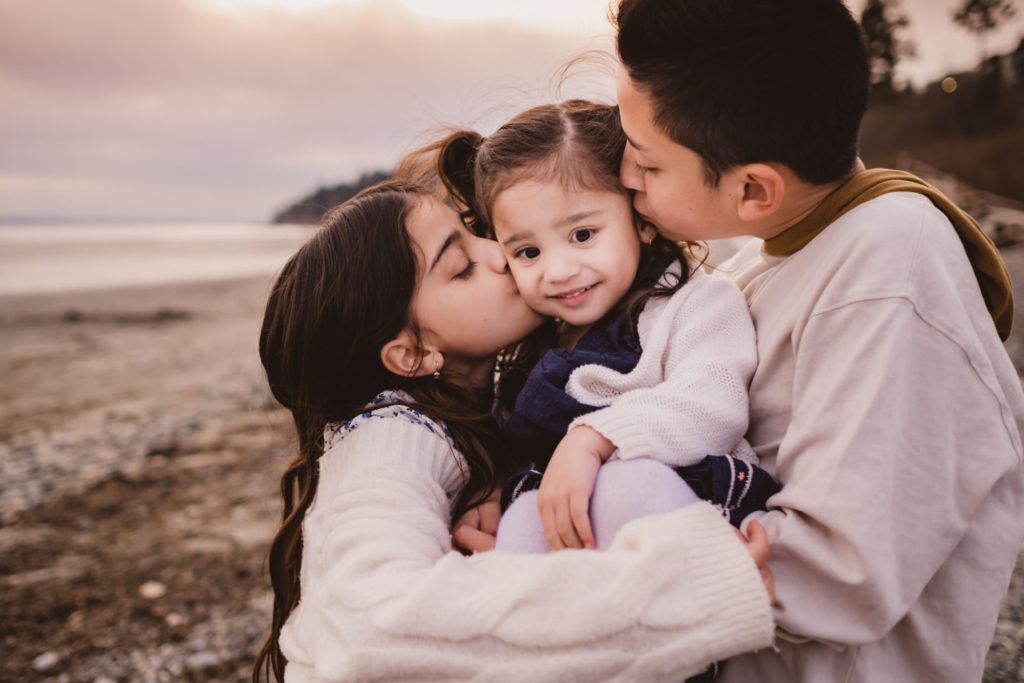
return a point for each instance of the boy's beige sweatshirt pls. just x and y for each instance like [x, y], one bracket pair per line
[887, 407]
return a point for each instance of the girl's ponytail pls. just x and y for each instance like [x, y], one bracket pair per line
[448, 168]
[456, 168]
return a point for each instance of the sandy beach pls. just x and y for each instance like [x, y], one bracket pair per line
[139, 451]
[139, 455]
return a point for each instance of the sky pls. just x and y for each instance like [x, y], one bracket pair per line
[231, 109]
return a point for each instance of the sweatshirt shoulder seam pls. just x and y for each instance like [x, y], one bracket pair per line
[963, 348]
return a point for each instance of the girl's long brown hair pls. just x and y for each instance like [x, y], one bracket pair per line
[576, 143]
[337, 301]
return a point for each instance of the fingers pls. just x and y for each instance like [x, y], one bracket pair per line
[472, 540]
[769, 584]
[579, 510]
[547, 516]
[490, 515]
[566, 527]
[566, 523]
[470, 518]
[757, 543]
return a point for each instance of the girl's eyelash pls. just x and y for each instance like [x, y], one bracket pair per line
[466, 272]
[642, 169]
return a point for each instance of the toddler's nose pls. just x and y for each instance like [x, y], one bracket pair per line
[560, 270]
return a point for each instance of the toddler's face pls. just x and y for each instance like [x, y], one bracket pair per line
[573, 254]
[465, 302]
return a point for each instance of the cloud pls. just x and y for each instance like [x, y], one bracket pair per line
[171, 108]
[230, 114]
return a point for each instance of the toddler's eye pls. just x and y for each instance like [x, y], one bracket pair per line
[643, 169]
[582, 235]
[526, 253]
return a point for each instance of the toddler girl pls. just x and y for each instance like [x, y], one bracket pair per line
[654, 354]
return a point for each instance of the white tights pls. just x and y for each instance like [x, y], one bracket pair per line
[625, 490]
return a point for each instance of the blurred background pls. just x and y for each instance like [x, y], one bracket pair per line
[160, 160]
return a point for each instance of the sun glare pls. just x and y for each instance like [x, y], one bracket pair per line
[241, 5]
[587, 15]
[565, 13]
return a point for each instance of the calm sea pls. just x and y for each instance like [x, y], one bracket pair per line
[55, 258]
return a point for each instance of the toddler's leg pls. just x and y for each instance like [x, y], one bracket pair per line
[520, 529]
[629, 489]
[625, 490]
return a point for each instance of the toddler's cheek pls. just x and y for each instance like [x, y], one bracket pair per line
[538, 303]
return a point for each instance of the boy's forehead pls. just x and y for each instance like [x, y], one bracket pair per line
[636, 113]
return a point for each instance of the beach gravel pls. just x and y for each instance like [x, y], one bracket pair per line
[139, 458]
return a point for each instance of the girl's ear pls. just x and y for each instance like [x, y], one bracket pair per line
[647, 233]
[402, 356]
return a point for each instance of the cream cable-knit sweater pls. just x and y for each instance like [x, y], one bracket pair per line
[385, 598]
[687, 396]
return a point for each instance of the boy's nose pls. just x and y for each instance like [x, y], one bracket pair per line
[629, 174]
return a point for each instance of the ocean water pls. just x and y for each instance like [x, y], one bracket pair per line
[55, 258]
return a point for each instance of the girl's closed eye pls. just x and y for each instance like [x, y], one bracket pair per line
[466, 272]
[644, 169]
[582, 235]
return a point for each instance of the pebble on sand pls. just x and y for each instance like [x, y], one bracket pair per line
[152, 590]
[174, 620]
[45, 661]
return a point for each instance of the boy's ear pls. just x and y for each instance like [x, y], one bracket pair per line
[762, 188]
[402, 356]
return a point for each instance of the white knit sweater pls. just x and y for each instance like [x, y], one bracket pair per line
[687, 396]
[384, 597]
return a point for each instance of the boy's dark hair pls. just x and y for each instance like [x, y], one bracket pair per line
[745, 81]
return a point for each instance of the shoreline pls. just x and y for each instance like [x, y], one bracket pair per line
[64, 260]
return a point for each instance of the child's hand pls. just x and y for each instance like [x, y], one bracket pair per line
[476, 530]
[564, 496]
[757, 544]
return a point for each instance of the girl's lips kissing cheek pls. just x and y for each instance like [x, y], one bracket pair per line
[574, 297]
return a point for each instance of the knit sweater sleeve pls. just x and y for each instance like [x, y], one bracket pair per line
[384, 597]
[687, 397]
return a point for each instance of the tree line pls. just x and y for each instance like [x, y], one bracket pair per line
[884, 24]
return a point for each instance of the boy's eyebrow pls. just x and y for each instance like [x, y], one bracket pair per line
[449, 241]
[634, 145]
